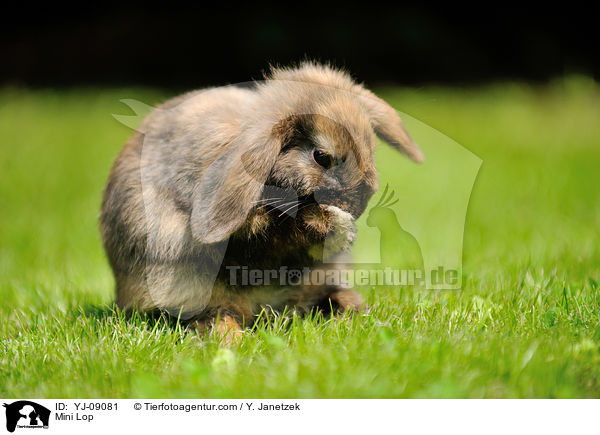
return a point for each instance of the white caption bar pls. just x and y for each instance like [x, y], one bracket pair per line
[250, 416]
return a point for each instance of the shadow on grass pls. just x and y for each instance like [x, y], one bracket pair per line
[266, 320]
[111, 312]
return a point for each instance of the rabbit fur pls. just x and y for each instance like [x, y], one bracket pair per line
[227, 177]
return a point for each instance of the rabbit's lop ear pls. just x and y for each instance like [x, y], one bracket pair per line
[389, 127]
[231, 185]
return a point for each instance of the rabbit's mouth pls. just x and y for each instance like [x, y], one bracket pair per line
[307, 202]
[284, 202]
[291, 208]
[351, 200]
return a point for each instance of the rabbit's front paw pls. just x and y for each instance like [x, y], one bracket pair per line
[346, 299]
[339, 300]
[342, 231]
[225, 328]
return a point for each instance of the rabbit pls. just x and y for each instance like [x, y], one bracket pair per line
[266, 177]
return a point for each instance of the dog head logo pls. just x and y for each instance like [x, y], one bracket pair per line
[26, 414]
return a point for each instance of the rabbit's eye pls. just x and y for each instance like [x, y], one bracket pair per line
[322, 159]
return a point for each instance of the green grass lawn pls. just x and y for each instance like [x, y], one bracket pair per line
[525, 324]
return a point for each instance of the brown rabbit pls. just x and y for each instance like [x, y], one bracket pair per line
[223, 180]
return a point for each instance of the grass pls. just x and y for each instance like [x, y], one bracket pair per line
[525, 324]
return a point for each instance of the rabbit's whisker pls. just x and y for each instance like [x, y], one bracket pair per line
[266, 200]
[275, 203]
[296, 204]
[302, 207]
[271, 204]
[281, 205]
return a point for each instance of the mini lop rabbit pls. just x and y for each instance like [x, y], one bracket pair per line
[223, 180]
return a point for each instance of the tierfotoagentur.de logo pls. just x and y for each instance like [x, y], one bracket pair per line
[25, 414]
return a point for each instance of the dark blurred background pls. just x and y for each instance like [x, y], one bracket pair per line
[181, 47]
